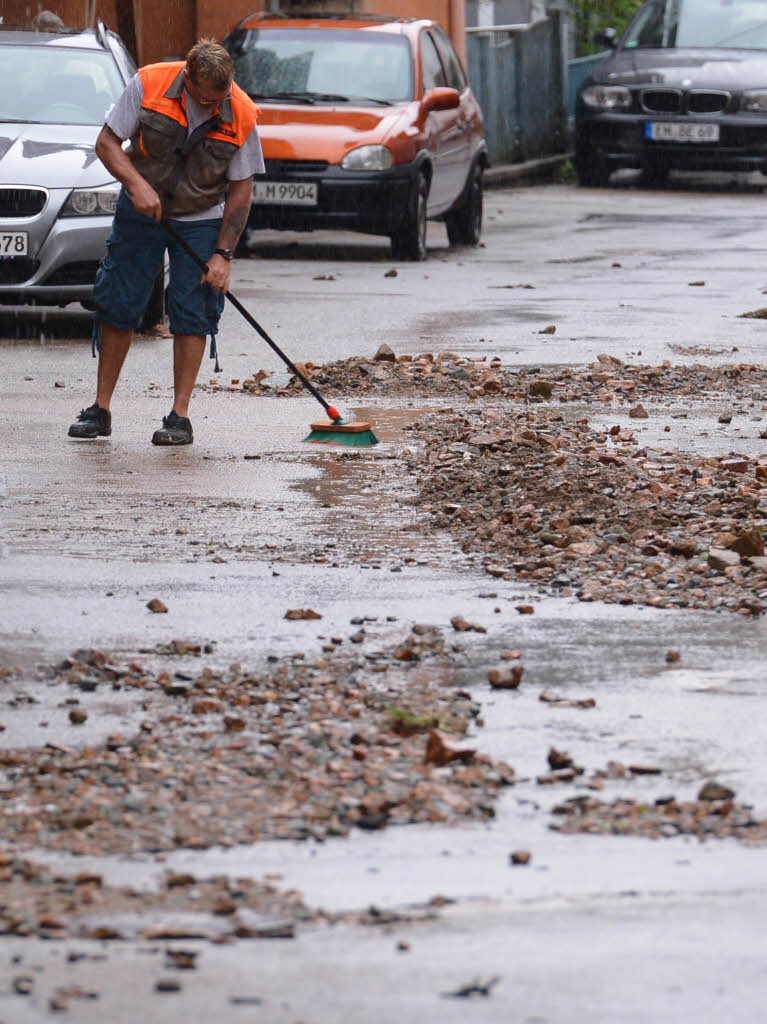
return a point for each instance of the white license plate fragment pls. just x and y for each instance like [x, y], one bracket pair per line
[13, 243]
[287, 193]
[675, 131]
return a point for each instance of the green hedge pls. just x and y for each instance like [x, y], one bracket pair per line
[591, 15]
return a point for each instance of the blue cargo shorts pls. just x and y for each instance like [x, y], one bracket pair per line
[134, 257]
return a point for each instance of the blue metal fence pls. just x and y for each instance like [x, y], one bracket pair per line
[518, 75]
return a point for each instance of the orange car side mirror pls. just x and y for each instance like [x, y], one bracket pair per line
[440, 99]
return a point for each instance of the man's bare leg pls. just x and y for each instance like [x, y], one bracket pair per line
[188, 350]
[115, 343]
[96, 421]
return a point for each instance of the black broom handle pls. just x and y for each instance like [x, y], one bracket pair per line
[253, 322]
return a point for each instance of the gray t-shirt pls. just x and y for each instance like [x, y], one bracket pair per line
[123, 119]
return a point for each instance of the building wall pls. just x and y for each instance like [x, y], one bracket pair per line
[155, 31]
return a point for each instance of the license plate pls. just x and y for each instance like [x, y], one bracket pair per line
[13, 243]
[673, 131]
[288, 193]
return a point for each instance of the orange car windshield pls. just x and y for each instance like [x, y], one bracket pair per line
[307, 65]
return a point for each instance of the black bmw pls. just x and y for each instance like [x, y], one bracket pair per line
[685, 88]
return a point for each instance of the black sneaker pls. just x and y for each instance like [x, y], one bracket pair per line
[175, 430]
[92, 422]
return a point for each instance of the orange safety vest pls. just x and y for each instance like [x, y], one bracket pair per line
[187, 172]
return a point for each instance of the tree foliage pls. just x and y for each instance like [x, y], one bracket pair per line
[590, 15]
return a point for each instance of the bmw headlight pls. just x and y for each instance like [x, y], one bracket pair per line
[607, 97]
[368, 158]
[91, 202]
[755, 100]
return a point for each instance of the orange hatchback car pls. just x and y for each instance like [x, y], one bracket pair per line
[367, 124]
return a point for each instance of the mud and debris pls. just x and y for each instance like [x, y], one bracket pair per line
[38, 901]
[577, 509]
[665, 818]
[359, 737]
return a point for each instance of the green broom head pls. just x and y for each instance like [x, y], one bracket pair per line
[340, 431]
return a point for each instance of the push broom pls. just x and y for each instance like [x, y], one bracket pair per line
[335, 430]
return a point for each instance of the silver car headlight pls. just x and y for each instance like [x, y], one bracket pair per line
[368, 158]
[607, 97]
[755, 100]
[91, 202]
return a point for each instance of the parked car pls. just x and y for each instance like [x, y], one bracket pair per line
[367, 124]
[685, 88]
[56, 197]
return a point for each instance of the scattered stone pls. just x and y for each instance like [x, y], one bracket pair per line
[672, 657]
[474, 988]
[716, 791]
[725, 417]
[439, 752]
[638, 412]
[505, 678]
[559, 759]
[77, 716]
[460, 625]
[666, 818]
[157, 606]
[302, 613]
[547, 697]
[520, 857]
[721, 559]
[168, 985]
[384, 354]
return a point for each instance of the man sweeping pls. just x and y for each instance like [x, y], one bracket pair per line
[193, 151]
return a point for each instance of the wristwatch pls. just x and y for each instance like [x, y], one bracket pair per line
[228, 254]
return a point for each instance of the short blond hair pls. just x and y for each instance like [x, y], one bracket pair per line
[208, 60]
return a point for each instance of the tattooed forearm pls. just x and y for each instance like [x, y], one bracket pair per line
[236, 213]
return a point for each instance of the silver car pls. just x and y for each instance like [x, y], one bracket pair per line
[56, 197]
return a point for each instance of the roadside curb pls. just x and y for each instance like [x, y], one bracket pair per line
[530, 170]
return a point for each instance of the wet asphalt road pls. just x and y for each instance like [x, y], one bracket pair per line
[596, 929]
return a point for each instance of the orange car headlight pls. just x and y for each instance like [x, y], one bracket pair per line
[368, 158]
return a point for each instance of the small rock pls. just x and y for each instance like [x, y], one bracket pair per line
[559, 759]
[438, 752]
[715, 791]
[749, 544]
[77, 716]
[460, 625]
[302, 613]
[391, 273]
[726, 417]
[673, 656]
[719, 558]
[384, 354]
[156, 606]
[638, 412]
[551, 329]
[520, 857]
[168, 985]
[505, 678]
